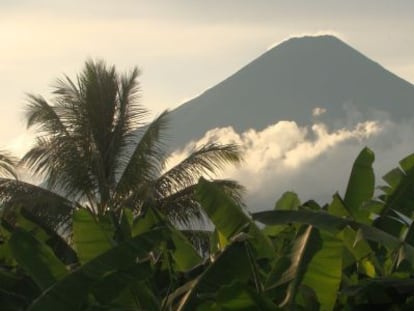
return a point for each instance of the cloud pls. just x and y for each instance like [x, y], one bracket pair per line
[21, 144]
[183, 48]
[309, 34]
[313, 161]
[318, 111]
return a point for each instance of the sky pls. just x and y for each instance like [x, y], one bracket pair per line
[185, 47]
[181, 47]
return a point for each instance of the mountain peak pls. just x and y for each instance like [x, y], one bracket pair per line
[310, 48]
[309, 41]
[290, 81]
[312, 38]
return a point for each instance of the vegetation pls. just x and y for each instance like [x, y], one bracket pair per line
[95, 152]
[126, 252]
[354, 253]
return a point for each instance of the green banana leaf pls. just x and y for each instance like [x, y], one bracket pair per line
[324, 271]
[90, 237]
[238, 296]
[232, 265]
[334, 225]
[36, 258]
[229, 219]
[399, 196]
[71, 292]
[288, 201]
[27, 221]
[361, 184]
[183, 253]
[315, 262]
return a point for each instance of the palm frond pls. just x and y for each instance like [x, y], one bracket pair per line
[131, 112]
[67, 91]
[100, 96]
[69, 104]
[205, 161]
[200, 239]
[53, 210]
[8, 164]
[58, 153]
[182, 208]
[58, 160]
[147, 159]
[40, 113]
[130, 116]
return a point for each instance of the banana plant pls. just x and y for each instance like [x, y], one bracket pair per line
[346, 254]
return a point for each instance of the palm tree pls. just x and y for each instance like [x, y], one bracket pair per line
[95, 151]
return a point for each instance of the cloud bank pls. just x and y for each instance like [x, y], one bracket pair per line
[313, 161]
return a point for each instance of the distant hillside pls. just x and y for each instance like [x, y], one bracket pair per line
[288, 82]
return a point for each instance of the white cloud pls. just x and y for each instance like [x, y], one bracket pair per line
[286, 157]
[309, 34]
[181, 56]
[318, 111]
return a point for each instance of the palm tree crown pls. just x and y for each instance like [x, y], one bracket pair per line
[95, 151]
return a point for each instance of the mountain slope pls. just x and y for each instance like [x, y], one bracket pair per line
[288, 82]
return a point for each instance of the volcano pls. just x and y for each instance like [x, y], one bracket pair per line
[306, 80]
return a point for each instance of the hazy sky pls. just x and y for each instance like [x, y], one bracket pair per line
[182, 47]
